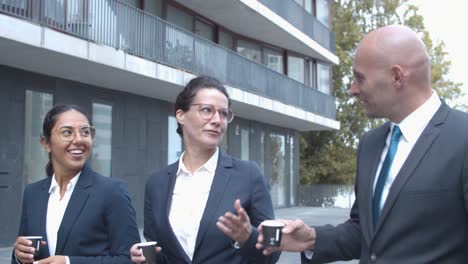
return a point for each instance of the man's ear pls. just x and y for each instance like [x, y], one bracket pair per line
[398, 75]
[45, 144]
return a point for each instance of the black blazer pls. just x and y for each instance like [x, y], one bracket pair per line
[98, 225]
[234, 179]
[425, 216]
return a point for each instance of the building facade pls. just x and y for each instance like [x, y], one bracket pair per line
[125, 62]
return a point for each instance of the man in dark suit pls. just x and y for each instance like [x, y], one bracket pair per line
[233, 180]
[412, 172]
[98, 225]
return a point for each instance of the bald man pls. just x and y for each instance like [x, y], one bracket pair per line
[412, 172]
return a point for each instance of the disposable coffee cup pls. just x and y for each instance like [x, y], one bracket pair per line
[36, 244]
[272, 233]
[148, 250]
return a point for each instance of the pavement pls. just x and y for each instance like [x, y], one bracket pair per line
[310, 215]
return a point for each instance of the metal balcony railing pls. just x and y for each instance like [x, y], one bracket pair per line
[305, 22]
[119, 25]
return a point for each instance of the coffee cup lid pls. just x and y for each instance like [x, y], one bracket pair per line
[33, 237]
[148, 243]
[273, 223]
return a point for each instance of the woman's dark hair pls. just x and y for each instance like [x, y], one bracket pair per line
[185, 98]
[49, 122]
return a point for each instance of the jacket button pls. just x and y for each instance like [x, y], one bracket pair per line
[373, 258]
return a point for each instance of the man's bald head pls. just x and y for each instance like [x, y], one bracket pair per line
[392, 73]
[399, 45]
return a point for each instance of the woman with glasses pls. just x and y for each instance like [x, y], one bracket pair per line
[83, 217]
[205, 207]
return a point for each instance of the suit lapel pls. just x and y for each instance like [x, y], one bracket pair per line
[430, 133]
[75, 205]
[376, 142]
[43, 202]
[220, 182]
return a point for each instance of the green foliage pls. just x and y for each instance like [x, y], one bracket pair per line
[330, 156]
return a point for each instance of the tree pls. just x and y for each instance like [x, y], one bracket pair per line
[330, 156]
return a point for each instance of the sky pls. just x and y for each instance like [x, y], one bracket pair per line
[447, 20]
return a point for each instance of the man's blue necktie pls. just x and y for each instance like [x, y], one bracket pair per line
[383, 175]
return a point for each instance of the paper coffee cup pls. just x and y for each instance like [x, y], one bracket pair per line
[148, 250]
[272, 233]
[36, 244]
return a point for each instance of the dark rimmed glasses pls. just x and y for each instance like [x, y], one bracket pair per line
[68, 133]
[207, 112]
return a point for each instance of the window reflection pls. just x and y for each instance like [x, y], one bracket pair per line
[174, 142]
[245, 143]
[249, 50]
[277, 177]
[102, 145]
[323, 80]
[35, 157]
[296, 68]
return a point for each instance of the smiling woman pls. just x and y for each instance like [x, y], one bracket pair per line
[83, 216]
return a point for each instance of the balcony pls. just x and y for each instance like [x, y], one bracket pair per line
[303, 21]
[280, 23]
[118, 25]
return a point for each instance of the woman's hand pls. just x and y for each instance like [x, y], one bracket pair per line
[137, 255]
[237, 227]
[24, 252]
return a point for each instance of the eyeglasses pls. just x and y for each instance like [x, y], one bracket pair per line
[207, 112]
[67, 133]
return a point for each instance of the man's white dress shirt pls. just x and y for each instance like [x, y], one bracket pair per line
[411, 128]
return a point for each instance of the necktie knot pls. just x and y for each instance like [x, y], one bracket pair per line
[396, 134]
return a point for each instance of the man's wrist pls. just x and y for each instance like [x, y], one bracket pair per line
[310, 242]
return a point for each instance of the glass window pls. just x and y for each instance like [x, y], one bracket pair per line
[174, 142]
[204, 30]
[225, 40]
[245, 143]
[273, 59]
[323, 80]
[249, 50]
[262, 152]
[154, 7]
[180, 18]
[35, 157]
[312, 74]
[102, 144]
[296, 68]
[309, 6]
[291, 171]
[322, 12]
[277, 177]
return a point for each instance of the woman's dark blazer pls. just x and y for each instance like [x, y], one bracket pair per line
[98, 225]
[234, 179]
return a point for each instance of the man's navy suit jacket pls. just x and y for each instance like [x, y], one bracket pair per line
[234, 179]
[98, 225]
[425, 215]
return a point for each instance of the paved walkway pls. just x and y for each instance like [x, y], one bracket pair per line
[310, 215]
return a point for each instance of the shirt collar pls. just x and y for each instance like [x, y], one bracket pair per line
[71, 184]
[210, 165]
[413, 125]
